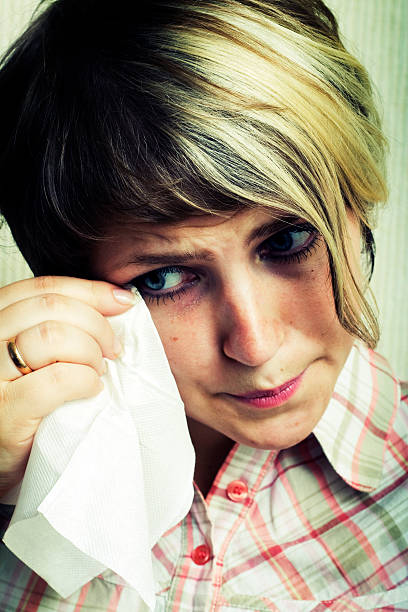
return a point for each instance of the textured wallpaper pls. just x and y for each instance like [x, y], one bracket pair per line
[376, 31]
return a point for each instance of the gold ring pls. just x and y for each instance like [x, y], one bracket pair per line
[17, 358]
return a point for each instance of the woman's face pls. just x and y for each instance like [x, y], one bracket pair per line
[245, 311]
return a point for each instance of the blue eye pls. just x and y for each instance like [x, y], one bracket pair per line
[165, 283]
[157, 280]
[289, 245]
[288, 240]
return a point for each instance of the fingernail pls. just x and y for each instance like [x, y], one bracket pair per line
[123, 296]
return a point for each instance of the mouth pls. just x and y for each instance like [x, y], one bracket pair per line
[270, 398]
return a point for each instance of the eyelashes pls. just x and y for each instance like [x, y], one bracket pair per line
[171, 281]
[291, 245]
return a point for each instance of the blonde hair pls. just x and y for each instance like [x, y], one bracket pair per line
[276, 113]
[170, 109]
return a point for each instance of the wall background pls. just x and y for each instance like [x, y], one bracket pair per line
[376, 32]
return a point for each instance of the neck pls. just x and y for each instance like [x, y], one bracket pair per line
[211, 448]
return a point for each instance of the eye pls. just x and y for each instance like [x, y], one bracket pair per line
[289, 245]
[164, 283]
[162, 279]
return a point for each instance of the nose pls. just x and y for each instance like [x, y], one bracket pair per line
[251, 330]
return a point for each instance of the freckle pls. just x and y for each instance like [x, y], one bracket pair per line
[174, 338]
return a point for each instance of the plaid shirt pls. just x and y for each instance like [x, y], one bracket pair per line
[319, 526]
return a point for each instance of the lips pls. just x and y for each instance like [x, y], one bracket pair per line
[269, 398]
[268, 392]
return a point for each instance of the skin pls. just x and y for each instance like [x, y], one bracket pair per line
[241, 324]
[60, 328]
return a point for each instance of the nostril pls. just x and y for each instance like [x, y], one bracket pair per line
[251, 339]
[248, 346]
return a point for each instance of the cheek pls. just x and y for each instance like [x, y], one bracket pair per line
[307, 303]
[311, 316]
[185, 339]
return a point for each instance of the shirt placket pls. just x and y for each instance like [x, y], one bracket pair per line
[229, 501]
[192, 579]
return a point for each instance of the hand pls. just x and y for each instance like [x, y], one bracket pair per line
[62, 334]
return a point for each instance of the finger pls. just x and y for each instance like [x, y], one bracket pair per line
[107, 298]
[48, 343]
[8, 369]
[40, 310]
[46, 389]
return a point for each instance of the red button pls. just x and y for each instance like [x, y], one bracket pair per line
[201, 554]
[237, 490]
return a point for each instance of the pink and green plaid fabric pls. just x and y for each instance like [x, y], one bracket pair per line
[324, 525]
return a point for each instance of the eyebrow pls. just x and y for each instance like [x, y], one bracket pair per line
[170, 258]
[267, 229]
[179, 258]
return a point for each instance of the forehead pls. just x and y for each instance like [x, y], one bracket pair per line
[198, 233]
[192, 228]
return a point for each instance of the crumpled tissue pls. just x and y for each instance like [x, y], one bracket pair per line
[107, 476]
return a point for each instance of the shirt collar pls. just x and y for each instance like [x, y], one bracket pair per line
[354, 428]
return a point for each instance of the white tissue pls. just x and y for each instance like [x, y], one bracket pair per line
[107, 476]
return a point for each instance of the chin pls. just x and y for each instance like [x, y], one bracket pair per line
[275, 441]
[282, 431]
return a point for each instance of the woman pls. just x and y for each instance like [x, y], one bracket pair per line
[225, 158]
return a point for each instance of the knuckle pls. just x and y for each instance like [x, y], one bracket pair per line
[58, 374]
[50, 332]
[73, 379]
[50, 301]
[45, 284]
